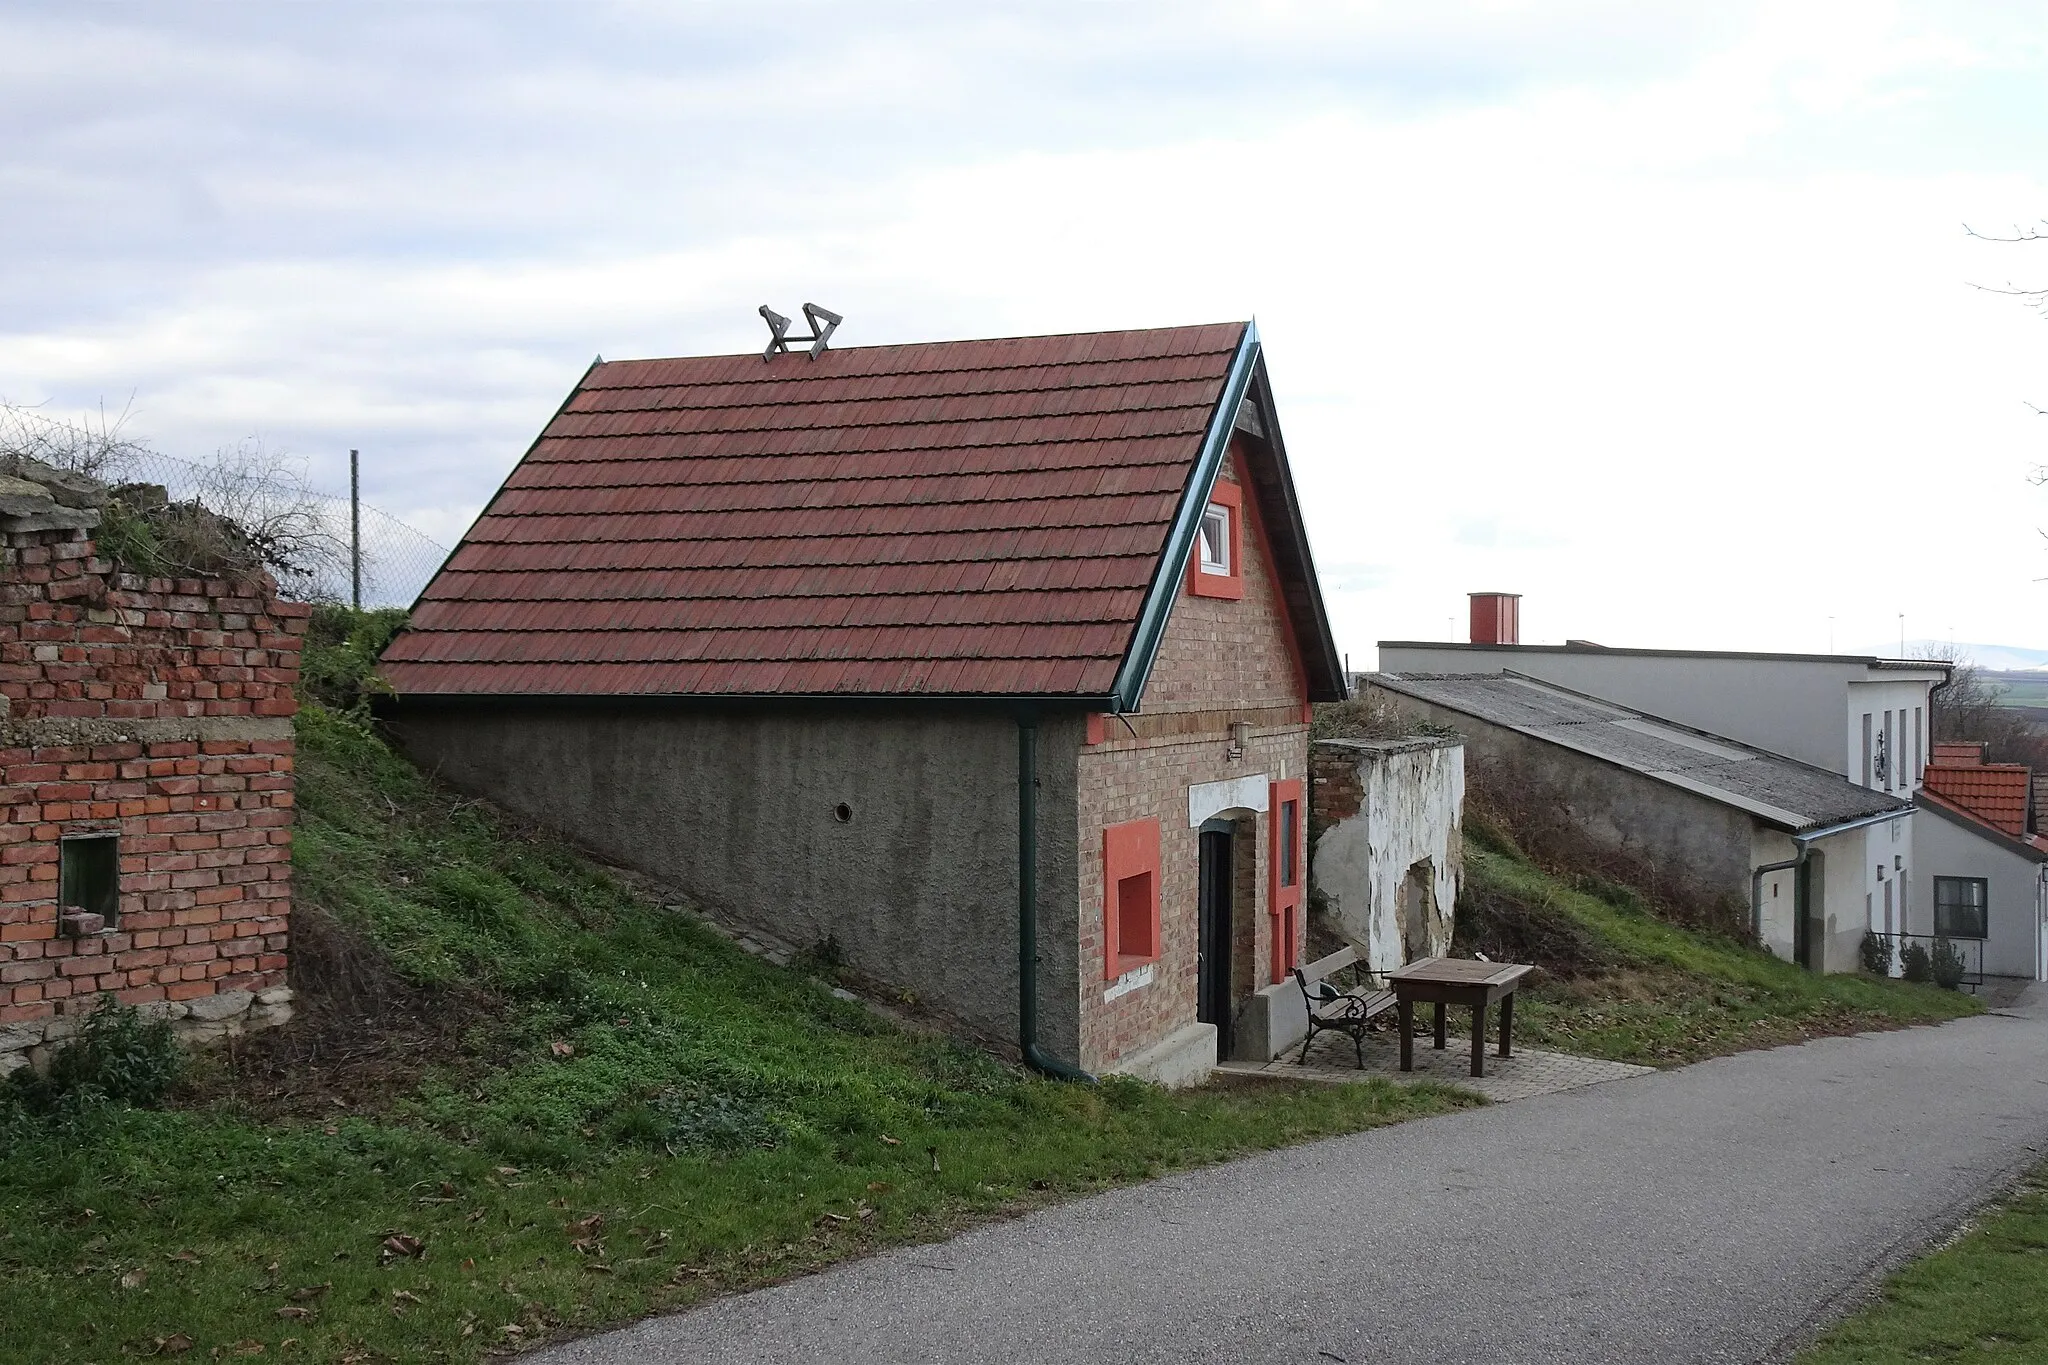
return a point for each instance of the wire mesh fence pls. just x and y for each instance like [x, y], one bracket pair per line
[324, 557]
[394, 561]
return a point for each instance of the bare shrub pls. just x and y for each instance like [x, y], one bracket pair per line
[1372, 715]
[1508, 928]
[95, 446]
[249, 509]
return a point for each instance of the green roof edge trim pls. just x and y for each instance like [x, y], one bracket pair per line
[1187, 520]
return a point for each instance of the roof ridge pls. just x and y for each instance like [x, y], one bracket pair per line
[874, 347]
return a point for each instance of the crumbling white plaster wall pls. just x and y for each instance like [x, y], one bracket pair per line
[1382, 807]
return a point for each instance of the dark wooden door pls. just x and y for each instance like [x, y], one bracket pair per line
[1213, 942]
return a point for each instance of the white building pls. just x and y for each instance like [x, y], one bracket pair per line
[1865, 718]
[1987, 876]
[1796, 845]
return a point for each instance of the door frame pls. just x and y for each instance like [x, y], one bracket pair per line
[1215, 908]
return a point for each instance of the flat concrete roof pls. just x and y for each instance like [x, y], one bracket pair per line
[1935, 666]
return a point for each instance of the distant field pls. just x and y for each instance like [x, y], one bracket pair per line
[2020, 689]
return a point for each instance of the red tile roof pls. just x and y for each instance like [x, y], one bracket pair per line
[2032, 844]
[1995, 793]
[978, 517]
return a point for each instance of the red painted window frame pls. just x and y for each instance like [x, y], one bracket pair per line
[1284, 900]
[1230, 586]
[1130, 849]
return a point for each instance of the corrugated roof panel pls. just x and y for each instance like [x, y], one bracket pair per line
[1784, 791]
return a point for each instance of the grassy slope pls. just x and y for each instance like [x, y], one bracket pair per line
[553, 1190]
[1984, 1298]
[1651, 993]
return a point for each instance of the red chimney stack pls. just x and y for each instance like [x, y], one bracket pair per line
[1496, 618]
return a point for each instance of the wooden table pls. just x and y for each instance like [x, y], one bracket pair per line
[1457, 981]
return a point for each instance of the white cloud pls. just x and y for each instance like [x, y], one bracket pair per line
[1654, 314]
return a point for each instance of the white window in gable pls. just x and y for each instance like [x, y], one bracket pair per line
[1216, 540]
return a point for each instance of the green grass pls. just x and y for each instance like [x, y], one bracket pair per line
[646, 1116]
[1984, 1298]
[1647, 991]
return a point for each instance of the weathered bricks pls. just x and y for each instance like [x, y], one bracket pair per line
[203, 817]
[1223, 659]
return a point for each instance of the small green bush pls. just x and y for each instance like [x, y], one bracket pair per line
[118, 1057]
[823, 959]
[339, 666]
[1877, 954]
[1945, 965]
[1916, 963]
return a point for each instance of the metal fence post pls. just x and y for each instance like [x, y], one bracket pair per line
[355, 531]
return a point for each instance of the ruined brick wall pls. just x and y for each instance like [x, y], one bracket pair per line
[1220, 662]
[158, 711]
[1387, 842]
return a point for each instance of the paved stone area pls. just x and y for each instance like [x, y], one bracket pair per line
[1528, 1073]
[2001, 992]
[1710, 1213]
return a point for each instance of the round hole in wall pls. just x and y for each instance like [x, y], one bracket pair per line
[843, 813]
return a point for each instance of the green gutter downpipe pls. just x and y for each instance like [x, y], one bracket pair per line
[1027, 908]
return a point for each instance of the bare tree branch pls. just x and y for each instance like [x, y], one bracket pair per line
[248, 509]
[96, 448]
[2019, 234]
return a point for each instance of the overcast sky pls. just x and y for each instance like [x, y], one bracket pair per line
[1661, 315]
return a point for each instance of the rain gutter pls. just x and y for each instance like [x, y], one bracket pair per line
[1805, 845]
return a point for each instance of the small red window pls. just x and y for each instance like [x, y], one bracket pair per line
[1130, 896]
[1215, 569]
[1283, 891]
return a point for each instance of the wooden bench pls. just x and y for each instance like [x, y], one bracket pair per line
[1333, 1011]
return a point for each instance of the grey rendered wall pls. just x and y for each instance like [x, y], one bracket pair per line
[1705, 841]
[1788, 706]
[737, 808]
[1943, 848]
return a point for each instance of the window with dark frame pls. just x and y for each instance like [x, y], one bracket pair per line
[1290, 836]
[89, 874]
[1962, 907]
[1216, 540]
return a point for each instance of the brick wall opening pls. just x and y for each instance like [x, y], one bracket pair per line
[88, 877]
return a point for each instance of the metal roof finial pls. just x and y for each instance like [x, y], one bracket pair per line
[823, 322]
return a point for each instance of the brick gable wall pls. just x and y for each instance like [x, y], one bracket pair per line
[158, 710]
[1220, 661]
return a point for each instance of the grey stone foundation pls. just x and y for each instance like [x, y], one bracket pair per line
[204, 1019]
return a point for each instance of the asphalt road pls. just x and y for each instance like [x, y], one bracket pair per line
[1716, 1213]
